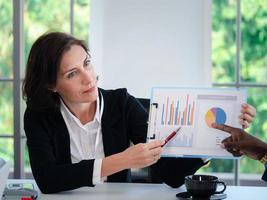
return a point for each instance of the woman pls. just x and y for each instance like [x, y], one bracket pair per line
[79, 134]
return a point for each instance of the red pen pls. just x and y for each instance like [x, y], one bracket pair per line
[171, 136]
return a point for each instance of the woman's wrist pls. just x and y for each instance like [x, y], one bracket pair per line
[262, 151]
[113, 164]
[123, 160]
[126, 162]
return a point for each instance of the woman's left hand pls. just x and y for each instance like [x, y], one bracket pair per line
[248, 113]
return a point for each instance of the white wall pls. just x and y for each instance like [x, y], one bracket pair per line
[139, 44]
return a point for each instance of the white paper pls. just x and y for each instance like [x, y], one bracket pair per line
[194, 109]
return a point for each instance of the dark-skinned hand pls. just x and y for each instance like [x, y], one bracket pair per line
[240, 142]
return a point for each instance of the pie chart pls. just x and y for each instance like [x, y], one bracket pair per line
[215, 115]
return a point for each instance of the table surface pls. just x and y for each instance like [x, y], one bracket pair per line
[132, 191]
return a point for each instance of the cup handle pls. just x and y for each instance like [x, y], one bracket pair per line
[224, 187]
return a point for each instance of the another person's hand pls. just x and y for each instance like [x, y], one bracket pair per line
[241, 142]
[143, 154]
[248, 113]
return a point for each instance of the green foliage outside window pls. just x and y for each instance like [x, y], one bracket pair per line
[6, 38]
[223, 41]
[6, 98]
[254, 41]
[41, 16]
[81, 19]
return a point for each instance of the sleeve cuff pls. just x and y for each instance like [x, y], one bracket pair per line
[97, 172]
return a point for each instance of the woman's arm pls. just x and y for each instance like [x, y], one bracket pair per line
[51, 165]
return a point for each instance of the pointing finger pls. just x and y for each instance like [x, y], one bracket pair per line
[225, 128]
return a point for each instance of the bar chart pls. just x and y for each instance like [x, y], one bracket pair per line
[176, 112]
[185, 139]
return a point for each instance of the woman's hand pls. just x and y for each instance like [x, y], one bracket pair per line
[248, 113]
[143, 154]
[137, 156]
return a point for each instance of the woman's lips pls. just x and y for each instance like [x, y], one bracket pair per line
[89, 90]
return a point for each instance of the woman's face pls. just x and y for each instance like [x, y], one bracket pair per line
[76, 79]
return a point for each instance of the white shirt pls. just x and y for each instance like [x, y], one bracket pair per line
[86, 140]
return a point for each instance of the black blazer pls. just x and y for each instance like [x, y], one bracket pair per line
[123, 120]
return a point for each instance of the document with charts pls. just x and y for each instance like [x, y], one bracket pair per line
[194, 110]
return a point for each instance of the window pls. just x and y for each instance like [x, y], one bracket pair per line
[71, 16]
[239, 59]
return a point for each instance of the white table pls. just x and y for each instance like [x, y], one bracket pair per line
[133, 191]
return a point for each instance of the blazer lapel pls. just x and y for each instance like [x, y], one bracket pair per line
[61, 138]
[111, 123]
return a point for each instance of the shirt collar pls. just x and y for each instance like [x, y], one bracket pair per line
[97, 117]
[97, 113]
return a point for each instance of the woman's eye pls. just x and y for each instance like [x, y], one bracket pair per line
[87, 62]
[71, 74]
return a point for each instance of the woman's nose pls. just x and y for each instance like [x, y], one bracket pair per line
[88, 77]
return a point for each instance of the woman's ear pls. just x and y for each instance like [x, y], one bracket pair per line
[52, 89]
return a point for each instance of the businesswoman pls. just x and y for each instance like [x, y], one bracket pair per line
[79, 134]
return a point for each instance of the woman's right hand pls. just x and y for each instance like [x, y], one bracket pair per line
[143, 154]
[137, 156]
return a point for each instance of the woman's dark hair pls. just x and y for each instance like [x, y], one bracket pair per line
[42, 68]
